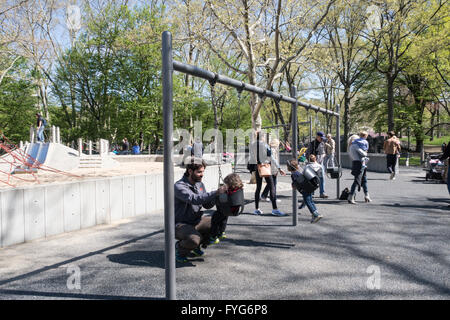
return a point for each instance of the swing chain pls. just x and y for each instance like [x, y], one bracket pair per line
[212, 83]
[239, 92]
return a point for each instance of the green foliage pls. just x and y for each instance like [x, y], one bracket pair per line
[17, 104]
[108, 83]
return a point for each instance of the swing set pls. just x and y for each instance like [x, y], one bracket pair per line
[168, 67]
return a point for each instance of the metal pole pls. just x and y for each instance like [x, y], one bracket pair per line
[338, 149]
[310, 128]
[208, 75]
[409, 145]
[294, 123]
[169, 206]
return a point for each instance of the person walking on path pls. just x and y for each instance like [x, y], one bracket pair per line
[330, 150]
[307, 196]
[317, 148]
[359, 169]
[260, 153]
[197, 148]
[445, 156]
[40, 125]
[192, 228]
[392, 149]
[274, 148]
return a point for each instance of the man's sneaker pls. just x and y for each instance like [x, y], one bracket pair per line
[392, 176]
[222, 236]
[214, 240]
[323, 196]
[278, 200]
[198, 252]
[257, 212]
[179, 257]
[264, 199]
[316, 218]
[278, 213]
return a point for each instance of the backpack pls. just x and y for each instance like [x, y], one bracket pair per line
[44, 122]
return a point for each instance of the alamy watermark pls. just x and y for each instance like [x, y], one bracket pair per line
[73, 21]
[374, 280]
[74, 280]
[373, 21]
[238, 142]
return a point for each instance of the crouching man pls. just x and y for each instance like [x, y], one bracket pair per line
[192, 229]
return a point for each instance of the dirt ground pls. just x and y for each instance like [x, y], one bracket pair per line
[46, 177]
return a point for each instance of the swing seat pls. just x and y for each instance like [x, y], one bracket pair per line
[334, 172]
[226, 202]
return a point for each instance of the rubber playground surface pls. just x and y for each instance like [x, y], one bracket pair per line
[395, 247]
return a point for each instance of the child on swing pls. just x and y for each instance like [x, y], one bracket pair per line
[219, 219]
[293, 167]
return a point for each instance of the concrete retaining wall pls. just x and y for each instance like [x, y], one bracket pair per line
[40, 211]
[377, 162]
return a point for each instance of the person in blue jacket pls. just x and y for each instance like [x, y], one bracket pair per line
[136, 149]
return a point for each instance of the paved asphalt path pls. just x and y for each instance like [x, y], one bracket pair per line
[396, 247]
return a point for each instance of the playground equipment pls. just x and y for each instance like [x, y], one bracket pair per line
[168, 66]
[49, 157]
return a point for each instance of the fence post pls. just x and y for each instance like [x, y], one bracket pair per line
[58, 136]
[53, 134]
[32, 134]
[80, 146]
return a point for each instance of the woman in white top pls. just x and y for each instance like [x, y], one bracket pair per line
[274, 148]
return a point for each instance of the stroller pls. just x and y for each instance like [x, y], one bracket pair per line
[434, 167]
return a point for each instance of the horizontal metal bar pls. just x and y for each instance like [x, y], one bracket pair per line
[217, 78]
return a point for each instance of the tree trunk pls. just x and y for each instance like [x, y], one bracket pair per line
[390, 101]
[433, 115]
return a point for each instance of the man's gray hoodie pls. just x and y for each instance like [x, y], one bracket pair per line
[189, 200]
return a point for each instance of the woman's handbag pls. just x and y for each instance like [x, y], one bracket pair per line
[264, 170]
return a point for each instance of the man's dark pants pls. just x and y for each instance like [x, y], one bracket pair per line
[191, 236]
[391, 162]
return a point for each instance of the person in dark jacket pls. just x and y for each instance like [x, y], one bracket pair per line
[317, 148]
[192, 229]
[293, 167]
[40, 124]
[125, 146]
[444, 157]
